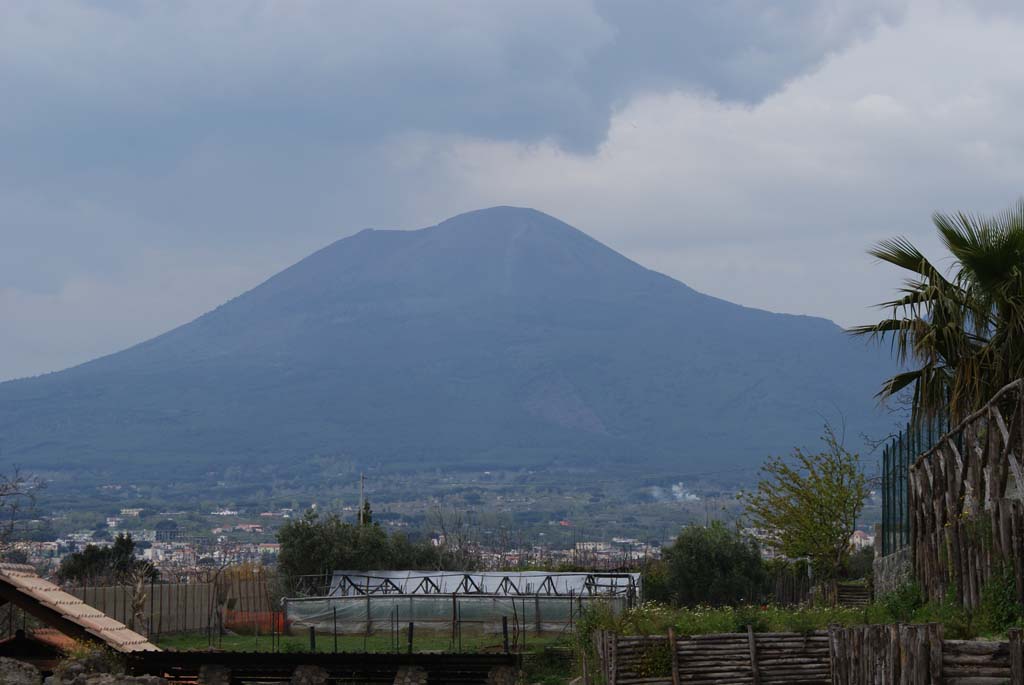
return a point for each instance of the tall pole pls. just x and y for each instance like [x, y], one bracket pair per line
[362, 497]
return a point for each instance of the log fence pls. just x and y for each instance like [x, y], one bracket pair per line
[862, 655]
[966, 509]
[740, 658]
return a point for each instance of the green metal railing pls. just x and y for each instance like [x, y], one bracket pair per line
[897, 457]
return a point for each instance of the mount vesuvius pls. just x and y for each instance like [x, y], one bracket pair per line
[501, 337]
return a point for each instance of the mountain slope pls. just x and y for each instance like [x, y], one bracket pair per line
[498, 337]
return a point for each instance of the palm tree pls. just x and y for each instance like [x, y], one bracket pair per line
[964, 330]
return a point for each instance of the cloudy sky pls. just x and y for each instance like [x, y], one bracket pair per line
[161, 157]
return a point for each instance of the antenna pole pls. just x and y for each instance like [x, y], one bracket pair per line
[362, 497]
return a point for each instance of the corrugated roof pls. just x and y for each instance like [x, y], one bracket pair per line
[24, 580]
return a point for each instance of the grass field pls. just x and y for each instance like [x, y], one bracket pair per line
[424, 642]
[539, 666]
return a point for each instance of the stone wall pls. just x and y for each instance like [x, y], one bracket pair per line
[892, 571]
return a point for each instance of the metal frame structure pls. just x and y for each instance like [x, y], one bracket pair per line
[357, 602]
[508, 584]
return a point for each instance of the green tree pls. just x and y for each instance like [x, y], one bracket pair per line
[808, 505]
[366, 518]
[116, 563]
[316, 545]
[713, 565]
[962, 329]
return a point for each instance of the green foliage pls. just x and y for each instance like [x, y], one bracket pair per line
[859, 565]
[907, 605]
[656, 581]
[116, 563]
[809, 505]
[546, 665]
[653, 618]
[901, 604]
[965, 331]
[1000, 610]
[316, 545]
[713, 565]
[366, 515]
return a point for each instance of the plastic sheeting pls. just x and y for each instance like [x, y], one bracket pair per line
[443, 613]
[364, 602]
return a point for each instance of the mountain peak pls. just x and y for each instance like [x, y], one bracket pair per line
[509, 223]
[503, 216]
[501, 336]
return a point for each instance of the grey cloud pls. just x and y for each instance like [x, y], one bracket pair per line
[159, 124]
[95, 78]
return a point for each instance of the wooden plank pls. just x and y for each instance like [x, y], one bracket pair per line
[674, 647]
[754, 670]
[1016, 656]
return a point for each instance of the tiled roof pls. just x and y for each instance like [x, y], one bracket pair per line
[24, 580]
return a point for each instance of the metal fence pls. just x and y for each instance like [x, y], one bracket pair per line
[897, 456]
[200, 604]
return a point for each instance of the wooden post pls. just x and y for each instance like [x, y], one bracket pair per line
[755, 672]
[935, 654]
[455, 618]
[613, 660]
[1016, 656]
[673, 647]
[504, 640]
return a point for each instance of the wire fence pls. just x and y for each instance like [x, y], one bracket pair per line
[199, 603]
[897, 457]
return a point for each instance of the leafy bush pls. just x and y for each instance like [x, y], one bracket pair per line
[755, 617]
[999, 608]
[958, 623]
[901, 604]
[652, 618]
[860, 565]
[713, 565]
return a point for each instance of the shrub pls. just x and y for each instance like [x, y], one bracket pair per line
[713, 565]
[999, 608]
[903, 602]
[958, 623]
[861, 565]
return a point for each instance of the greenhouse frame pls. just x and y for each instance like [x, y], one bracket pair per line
[365, 602]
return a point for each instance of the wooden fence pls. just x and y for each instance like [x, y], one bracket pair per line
[966, 513]
[862, 655]
[755, 658]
